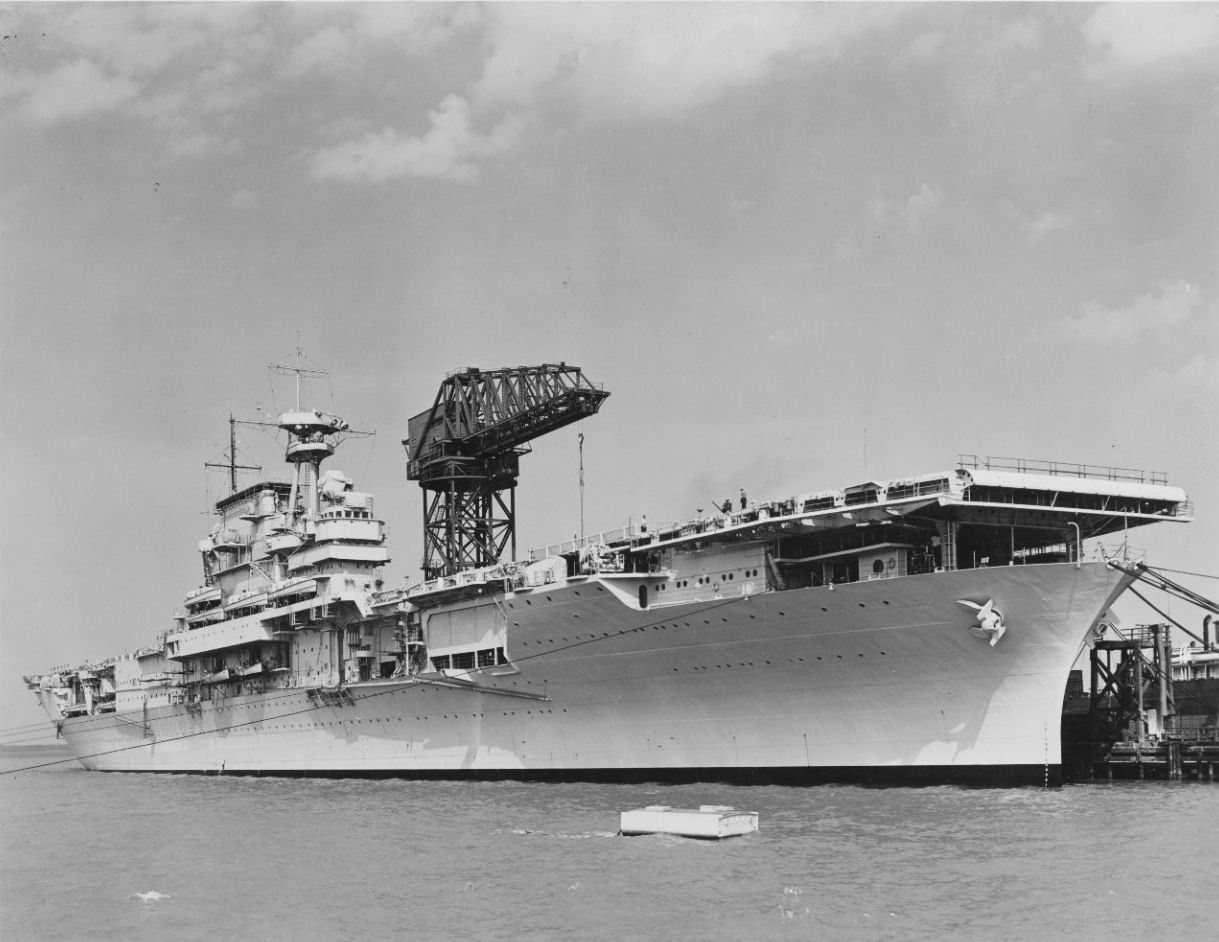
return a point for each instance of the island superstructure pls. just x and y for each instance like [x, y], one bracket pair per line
[910, 630]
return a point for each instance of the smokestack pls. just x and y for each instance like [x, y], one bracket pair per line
[1206, 633]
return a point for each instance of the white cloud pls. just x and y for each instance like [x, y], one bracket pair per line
[199, 145]
[244, 198]
[923, 48]
[1171, 304]
[77, 89]
[1020, 36]
[1199, 375]
[1043, 225]
[415, 27]
[411, 27]
[143, 39]
[186, 67]
[652, 59]
[449, 149]
[323, 50]
[107, 58]
[1131, 38]
[846, 250]
[919, 207]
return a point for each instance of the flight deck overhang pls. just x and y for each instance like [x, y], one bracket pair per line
[984, 497]
[1066, 484]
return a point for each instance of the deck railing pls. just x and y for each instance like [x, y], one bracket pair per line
[1061, 468]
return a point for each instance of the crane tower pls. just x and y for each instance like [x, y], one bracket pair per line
[465, 453]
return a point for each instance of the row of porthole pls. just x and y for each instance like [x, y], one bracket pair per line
[549, 599]
[457, 716]
[707, 580]
[861, 604]
[790, 660]
[681, 584]
[606, 634]
[400, 719]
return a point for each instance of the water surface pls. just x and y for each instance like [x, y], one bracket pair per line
[153, 857]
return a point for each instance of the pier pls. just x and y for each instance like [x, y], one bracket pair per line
[1161, 758]
[1148, 714]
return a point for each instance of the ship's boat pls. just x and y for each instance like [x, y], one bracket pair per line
[913, 630]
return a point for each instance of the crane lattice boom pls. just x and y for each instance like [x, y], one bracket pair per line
[464, 451]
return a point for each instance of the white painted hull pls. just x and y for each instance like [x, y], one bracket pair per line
[873, 681]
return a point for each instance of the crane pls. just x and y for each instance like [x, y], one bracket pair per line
[465, 453]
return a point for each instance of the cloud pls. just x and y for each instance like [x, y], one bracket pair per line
[1134, 38]
[614, 60]
[450, 149]
[411, 27]
[415, 27]
[919, 207]
[1201, 374]
[323, 50]
[77, 89]
[923, 48]
[1171, 304]
[175, 64]
[1003, 58]
[200, 145]
[846, 250]
[244, 198]
[139, 40]
[1043, 225]
[192, 68]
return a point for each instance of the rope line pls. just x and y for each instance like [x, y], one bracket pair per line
[1184, 572]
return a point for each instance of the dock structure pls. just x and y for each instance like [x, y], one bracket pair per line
[1150, 714]
[1162, 758]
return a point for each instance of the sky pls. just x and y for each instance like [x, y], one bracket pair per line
[802, 245]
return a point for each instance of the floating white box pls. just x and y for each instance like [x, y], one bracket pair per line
[706, 821]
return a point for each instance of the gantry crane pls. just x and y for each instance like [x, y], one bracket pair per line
[465, 453]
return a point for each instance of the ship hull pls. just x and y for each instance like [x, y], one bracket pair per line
[880, 682]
